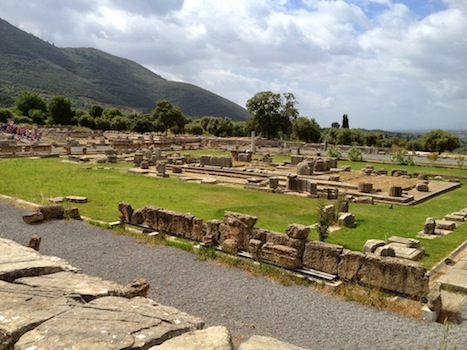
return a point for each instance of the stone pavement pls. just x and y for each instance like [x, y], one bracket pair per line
[47, 304]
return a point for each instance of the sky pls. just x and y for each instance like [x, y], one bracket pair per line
[387, 64]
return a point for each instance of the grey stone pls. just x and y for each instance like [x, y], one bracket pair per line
[322, 256]
[372, 244]
[212, 338]
[421, 187]
[297, 231]
[385, 251]
[365, 187]
[52, 212]
[110, 323]
[72, 213]
[429, 227]
[395, 191]
[76, 199]
[257, 342]
[346, 220]
[445, 225]
[34, 242]
[364, 200]
[33, 218]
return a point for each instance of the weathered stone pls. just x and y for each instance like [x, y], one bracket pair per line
[33, 218]
[22, 308]
[34, 242]
[421, 187]
[322, 256]
[407, 242]
[292, 183]
[423, 177]
[76, 199]
[455, 217]
[381, 171]
[334, 178]
[52, 212]
[139, 287]
[385, 251]
[364, 200]
[346, 168]
[346, 220]
[137, 218]
[138, 158]
[213, 230]
[110, 323]
[239, 228]
[343, 205]
[297, 231]
[429, 227]
[445, 225]
[144, 164]
[177, 169]
[160, 169]
[398, 172]
[18, 261]
[72, 283]
[57, 200]
[72, 213]
[212, 338]
[273, 182]
[395, 191]
[230, 246]
[150, 217]
[126, 210]
[371, 245]
[434, 302]
[254, 248]
[280, 254]
[305, 167]
[257, 342]
[349, 265]
[296, 159]
[394, 274]
[365, 187]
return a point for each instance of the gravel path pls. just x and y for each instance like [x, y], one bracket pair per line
[220, 295]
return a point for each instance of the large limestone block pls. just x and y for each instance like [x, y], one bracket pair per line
[18, 261]
[22, 308]
[110, 323]
[371, 245]
[322, 256]
[126, 210]
[346, 220]
[349, 265]
[394, 274]
[281, 239]
[257, 342]
[52, 212]
[150, 217]
[280, 254]
[297, 231]
[212, 338]
[71, 283]
[239, 228]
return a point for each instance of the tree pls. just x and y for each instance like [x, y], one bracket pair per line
[306, 130]
[272, 113]
[167, 115]
[96, 111]
[439, 141]
[29, 100]
[60, 111]
[345, 121]
[5, 113]
[335, 125]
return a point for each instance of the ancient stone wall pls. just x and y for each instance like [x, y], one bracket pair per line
[237, 232]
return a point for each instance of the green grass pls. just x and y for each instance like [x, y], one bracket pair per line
[39, 179]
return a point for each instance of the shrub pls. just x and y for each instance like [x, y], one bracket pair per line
[355, 155]
[402, 157]
[334, 152]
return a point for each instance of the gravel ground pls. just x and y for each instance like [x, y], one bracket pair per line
[220, 295]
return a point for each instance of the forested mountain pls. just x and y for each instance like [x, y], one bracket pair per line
[88, 76]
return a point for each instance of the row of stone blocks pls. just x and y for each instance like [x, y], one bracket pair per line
[236, 232]
[45, 303]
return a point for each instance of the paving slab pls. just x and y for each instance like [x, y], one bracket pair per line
[18, 261]
[76, 284]
[112, 323]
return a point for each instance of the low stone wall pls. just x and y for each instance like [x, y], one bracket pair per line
[237, 232]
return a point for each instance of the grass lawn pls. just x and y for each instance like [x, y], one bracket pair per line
[39, 179]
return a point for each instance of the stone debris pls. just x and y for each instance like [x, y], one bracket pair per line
[212, 338]
[76, 199]
[34, 242]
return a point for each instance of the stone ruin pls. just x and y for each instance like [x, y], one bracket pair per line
[237, 233]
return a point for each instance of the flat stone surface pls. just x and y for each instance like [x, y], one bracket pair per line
[88, 287]
[18, 261]
[76, 199]
[212, 338]
[22, 308]
[404, 252]
[257, 342]
[445, 225]
[110, 323]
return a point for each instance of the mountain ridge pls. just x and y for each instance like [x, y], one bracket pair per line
[90, 76]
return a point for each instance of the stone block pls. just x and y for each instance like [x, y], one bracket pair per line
[144, 164]
[372, 244]
[230, 246]
[305, 167]
[257, 342]
[395, 191]
[429, 227]
[281, 255]
[349, 265]
[72, 213]
[364, 200]
[322, 256]
[273, 182]
[445, 225]
[421, 187]
[365, 187]
[150, 217]
[52, 212]
[254, 248]
[385, 251]
[346, 168]
[212, 338]
[455, 217]
[297, 231]
[126, 210]
[33, 218]
[346, 220]
[343, 205]
[295, 160]
[137, 218]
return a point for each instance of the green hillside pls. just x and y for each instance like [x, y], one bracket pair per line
[88, 76]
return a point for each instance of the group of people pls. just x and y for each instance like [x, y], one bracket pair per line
[21, 131]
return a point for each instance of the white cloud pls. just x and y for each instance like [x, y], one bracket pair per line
[386, 63]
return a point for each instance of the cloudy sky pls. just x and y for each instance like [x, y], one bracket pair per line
[388, 64]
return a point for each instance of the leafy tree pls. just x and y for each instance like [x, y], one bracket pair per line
[194, 128]
[120, 123]
[111, 113]
[272, 113]
[60, 111]
[440, 141]
[5, 113]
[29, 100]
[306, 130]
[239, 129]
[96, 111]
[402, 157]
[335, 125]
[38, 116]
[168, 116]
[141, 123]
[87, 121]
[345, 121]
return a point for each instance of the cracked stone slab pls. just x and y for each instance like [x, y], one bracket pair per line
[22, 308]
[112, 323]
[87, 287]
[18, 261]
[212, 338]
